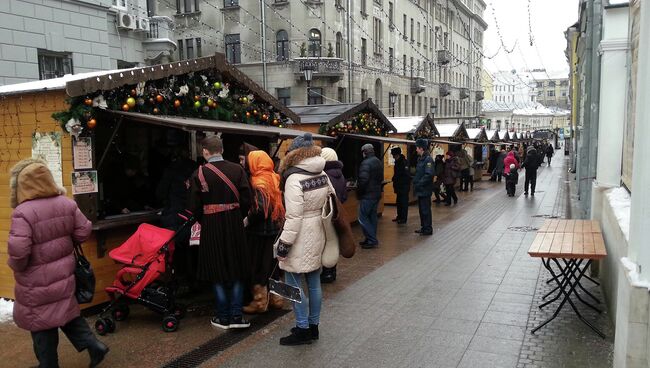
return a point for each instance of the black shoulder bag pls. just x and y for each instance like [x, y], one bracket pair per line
[84, 277]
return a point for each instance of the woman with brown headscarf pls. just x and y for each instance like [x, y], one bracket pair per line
[263, 224]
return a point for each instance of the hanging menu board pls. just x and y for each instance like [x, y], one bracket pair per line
[82, 149]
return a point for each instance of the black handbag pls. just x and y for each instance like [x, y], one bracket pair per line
[84, 277]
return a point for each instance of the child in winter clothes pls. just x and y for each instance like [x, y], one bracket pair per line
[512, 178]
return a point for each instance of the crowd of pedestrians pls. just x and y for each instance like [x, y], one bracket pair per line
[507, 163]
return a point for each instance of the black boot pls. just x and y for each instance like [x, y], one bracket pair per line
[328, 275]
[299, 336]
[313, 329]
[97, 352]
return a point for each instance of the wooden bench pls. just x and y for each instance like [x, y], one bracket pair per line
[571, 245]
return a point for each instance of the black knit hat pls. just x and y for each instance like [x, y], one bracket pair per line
[422, 143]
[396, 151]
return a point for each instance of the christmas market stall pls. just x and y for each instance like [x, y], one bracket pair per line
[353, 125]
[111, 137]
[478, 147]
[452, 137]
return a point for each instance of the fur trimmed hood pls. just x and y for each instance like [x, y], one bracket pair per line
[298, 155]
[31, 179]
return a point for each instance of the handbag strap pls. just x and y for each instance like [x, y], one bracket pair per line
[221, 175]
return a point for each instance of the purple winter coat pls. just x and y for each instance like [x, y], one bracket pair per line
[334, 170]
[40, 249]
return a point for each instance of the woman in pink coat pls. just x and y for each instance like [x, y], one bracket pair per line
[44, 226]
[510, 159]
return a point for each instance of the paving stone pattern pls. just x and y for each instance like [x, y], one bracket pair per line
[464, 298]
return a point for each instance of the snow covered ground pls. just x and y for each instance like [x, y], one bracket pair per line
[6, 310]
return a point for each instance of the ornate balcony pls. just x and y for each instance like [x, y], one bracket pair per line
[418, 85]
[324, 67]
[445, 89]
[444, 57]
[480, 95]
[159, 44]
[464, 93]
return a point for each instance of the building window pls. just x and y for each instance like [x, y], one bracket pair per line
[404, 63]
[54, 65]
[364, 52]
[189, 44]
[187, 6]
[364, 94]
[377, 35]
[391, 14]
[282, 45]
[418, 33]
[418, 68]
[181, 53]
[315, 96]
[563, 93]
[230, 3]
[424, 36]
[406, 105]
[379, 94]
[119, 4]
[233, 49]
[551, 83]
[404, 26]
[413, 105]
[339, 45]
[199, 51]
[284, 95]
[540, 84]
[363, 7]
[411, 66]
[391, 59]
[564, 83]
[551, 93]
[342, 95]
[314, 43]
[412, 30]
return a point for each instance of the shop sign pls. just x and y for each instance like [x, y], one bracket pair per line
[84, 182]
[82, 149]
[47, 146]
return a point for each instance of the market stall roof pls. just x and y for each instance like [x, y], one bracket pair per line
[514, 136]
[477, 134]
[379, 138]
[443, 141]
[191, 124]
[335, 113]
[415, 125]
[453, 131]
[493, 135]
[87, 83]
[506, 137]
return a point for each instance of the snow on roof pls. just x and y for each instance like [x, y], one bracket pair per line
[51, 84]
[406, 124]
[473, 133]
[447, 130]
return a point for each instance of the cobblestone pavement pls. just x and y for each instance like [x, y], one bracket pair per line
[467, 297]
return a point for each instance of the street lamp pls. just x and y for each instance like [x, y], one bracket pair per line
[308, 72]
[392, 98]
[433, 110]
[458, 117]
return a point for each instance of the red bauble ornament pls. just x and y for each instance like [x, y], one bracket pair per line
[88, 102]
[125, 107]
[156, 111]
[248, 114]
[197, 98]
[133, 93]
[92, 123]
[177, 104]
[159, 98]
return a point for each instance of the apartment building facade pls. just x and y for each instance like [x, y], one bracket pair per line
[552, 90]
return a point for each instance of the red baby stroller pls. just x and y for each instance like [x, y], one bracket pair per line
[144, 278]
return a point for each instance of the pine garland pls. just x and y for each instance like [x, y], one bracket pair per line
[363, 123]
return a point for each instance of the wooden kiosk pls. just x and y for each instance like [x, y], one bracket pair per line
[88, 126]
[353, 125]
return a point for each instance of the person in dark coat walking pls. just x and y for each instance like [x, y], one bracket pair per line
[438, 171]
[500, 165]
[549, 153]
[369, 187]
[334, 171]
[220, 198]
[45, 225]
[531, 163]
[401, 185]
[494, 156]
[423, 186]
[449, 176]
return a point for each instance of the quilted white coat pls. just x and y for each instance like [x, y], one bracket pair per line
[304, 198]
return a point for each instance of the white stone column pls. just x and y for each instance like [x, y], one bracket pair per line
[639, 246]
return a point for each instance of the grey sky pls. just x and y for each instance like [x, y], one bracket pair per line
[550, 18]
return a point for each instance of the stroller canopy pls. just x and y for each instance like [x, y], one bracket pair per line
[142, 246]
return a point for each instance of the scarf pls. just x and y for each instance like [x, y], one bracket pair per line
[266, 182]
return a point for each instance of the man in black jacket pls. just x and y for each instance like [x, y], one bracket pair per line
[531, 164]
[401, 185]
[369, 187]
[423, 186]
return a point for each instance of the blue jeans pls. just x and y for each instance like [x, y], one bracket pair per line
[307, 312]
[230, 298]
[368, 219]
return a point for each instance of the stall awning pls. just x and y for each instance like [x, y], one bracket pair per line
[478, 143]
[191, 124]
[443, 141]
[379, 139]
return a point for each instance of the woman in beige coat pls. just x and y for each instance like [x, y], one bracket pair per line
[306, 190]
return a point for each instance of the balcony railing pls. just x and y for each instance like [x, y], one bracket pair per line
[445, 89]
[159, 45]
[160, 27]
[418, 85]
[464, 93]
[480, 95]
[323, 67]
[444, 57]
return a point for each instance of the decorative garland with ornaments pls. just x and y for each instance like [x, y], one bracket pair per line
[197, 95]
[362, 123]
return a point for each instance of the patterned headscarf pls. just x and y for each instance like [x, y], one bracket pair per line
[265, 181]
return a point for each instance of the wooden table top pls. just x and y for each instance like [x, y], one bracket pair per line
[568, 245]
[570, 226]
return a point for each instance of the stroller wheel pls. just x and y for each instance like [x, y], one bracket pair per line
[102, 326]
[110, 324]
[121, 312]
[170, 323]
